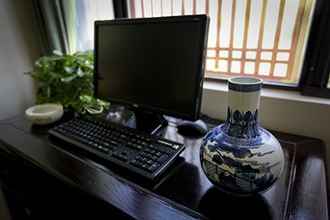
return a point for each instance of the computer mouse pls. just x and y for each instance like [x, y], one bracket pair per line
[195, 129]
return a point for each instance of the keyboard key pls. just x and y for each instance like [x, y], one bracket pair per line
[144, 166]
[119, 156]
[153, 167]
[163, 158]
[104, 150]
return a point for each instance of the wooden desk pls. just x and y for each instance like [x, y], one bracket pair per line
[301, 193]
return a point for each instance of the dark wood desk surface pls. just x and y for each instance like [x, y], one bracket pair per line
[301, 193]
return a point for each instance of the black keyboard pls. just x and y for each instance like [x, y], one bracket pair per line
[146, 155]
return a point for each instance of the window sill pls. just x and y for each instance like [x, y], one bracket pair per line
[272, 93]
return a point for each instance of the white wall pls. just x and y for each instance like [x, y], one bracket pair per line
[19, 48]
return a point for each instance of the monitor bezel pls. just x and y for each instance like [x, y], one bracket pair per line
[203, 20]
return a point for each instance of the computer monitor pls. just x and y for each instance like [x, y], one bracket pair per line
[153, 64]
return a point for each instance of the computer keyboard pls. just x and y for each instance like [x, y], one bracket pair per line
[146, 155]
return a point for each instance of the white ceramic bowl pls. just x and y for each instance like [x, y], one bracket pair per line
[44, 114]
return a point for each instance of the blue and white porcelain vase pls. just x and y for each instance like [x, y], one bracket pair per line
[239, 156]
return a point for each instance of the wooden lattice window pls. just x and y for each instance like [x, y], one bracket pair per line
[265, 38]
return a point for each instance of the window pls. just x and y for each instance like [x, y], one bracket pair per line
[89, 11]
[263, 38]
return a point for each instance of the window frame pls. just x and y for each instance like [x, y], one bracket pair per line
[315, 72]
[120, 8]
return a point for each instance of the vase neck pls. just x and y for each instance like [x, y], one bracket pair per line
[242, 113]
[244, 101]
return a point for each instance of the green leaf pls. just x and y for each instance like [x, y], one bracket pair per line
[68, 79]
[80, 73]
[58, 53]
[68, 69]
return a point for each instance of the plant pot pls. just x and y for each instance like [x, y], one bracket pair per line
[239, 156]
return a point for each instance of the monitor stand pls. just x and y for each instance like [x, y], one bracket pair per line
[148, 122]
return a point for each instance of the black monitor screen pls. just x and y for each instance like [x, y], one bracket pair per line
[154, 63]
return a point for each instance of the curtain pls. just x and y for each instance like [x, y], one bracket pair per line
[56, 20]
[68, 25]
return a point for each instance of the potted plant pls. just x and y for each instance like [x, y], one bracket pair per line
[68, 80]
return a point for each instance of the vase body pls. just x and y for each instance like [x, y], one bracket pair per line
[239, 156]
